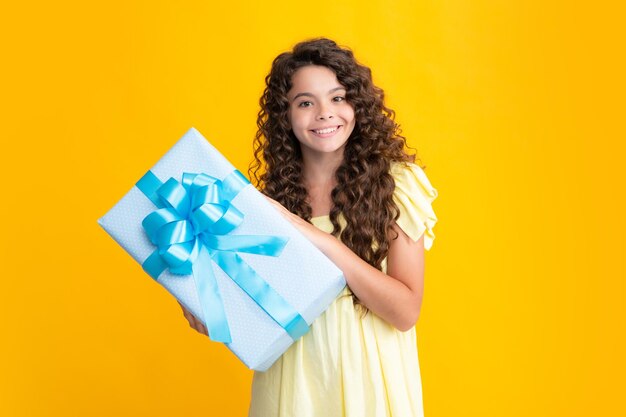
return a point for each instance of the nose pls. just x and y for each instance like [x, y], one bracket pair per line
[324, 113]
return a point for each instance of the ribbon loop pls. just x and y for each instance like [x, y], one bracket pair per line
[175, 195]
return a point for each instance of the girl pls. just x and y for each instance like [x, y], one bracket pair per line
[330, 157]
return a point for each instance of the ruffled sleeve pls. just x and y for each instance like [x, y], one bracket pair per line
[414, 195]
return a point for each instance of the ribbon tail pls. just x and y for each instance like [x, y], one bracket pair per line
[256, 244]
[210, 299]
[260, 291]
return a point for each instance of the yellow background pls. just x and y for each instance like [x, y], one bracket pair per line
[516, 108]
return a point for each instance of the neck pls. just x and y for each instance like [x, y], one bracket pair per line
[319, 169]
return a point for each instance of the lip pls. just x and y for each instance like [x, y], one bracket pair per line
[327, 135]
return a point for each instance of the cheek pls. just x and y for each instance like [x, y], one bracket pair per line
[349, 116]
[348, 113]
[297, 123]
[293, 119]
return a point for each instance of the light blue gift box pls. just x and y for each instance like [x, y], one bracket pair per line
[295, 282]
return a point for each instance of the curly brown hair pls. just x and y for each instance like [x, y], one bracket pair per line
[363, 194]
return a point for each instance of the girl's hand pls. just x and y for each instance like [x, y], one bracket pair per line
[194, 322]
[315, 235]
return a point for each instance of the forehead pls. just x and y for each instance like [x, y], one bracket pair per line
[313, 79]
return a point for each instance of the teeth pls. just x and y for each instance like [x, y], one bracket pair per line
[324, 131]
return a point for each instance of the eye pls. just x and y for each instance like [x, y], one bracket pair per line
[339, 99]
[305, 104]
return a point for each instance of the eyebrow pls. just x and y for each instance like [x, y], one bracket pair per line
[311, 95]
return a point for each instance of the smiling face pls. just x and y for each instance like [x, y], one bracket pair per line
[319, 114]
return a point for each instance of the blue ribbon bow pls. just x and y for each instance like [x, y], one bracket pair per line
[190, 229]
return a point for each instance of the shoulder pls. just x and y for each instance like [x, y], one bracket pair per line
[414, 195]
[408, 175]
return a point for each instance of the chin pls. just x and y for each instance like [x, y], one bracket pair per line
[329, 148]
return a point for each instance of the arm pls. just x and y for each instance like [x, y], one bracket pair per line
[396, 296]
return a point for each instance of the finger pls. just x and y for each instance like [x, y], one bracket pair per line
[182, 306]
[283, 211]
[200, 327]
[194, 322]
[186, 313]
[203, 330]
[276, 204]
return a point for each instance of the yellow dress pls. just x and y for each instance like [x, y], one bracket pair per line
[348, 365]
